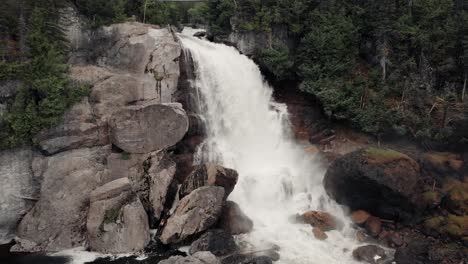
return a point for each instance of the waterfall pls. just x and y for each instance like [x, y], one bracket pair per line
[250, 132]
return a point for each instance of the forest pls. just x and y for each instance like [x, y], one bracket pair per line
[391, 67]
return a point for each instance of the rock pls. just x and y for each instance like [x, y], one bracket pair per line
[209, 175]
[383, 182]
[148, 127]
[322, 220]
[202, 257]
[360, 217]
[117, 91]
[200, 34]
[89, 74]
[373, 226]
[246, 259]
[456, 199]
[319, 234]
[361, 236]
[195, 213]
[18, 190]
[442, 164]
[370, 254]
[161, 177]
[125, 165]
[78, 129]
[117, 221]
[58, 219]
[233, 220]
[184, 166]
[218, 242]
[415, 253]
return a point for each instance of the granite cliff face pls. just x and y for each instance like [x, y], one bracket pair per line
[105, 139]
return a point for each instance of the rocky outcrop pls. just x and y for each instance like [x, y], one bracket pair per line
[195, 213]
[117, 221]
[233, 220]
[209, 175]
[384, 182]
[148, 127]
[161, 181]
[18, 190]
[218, 242]
[58, 219]
[79, 129]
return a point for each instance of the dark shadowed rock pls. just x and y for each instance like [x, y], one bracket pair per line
[148, 127]
[233, 220]
[246, 259]
[384, 182]
[195, 213]
[218, 242]
[370, 254]
[202, 257]
[209, 175]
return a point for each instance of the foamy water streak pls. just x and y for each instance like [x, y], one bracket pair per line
[249, 132]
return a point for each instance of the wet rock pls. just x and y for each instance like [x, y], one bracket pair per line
[117, 221]
[360, 217]
[148, 127]
[373, 226]
[58, 219]
[370, 254]
[184, 166]
[322, 220]
[209, 175]
[18, 189]
[246, 259]
[319, 233]
[233, 220]
[218, 242]
[361, 236]
[415, 253]
[383, 182]
[195, 213]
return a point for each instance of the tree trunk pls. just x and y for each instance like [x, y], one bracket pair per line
[144, 12]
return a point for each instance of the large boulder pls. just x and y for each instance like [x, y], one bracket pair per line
[218, 242]
[161, 183]
[233, 219]
[18, 189]
[117, 91]
[78, 129]
[384, 182]
[117, 221]
[209, 175]
[58, 219]
[148, 127]
[195, 213]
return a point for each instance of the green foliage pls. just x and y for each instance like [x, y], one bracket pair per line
[277, 61]
[102, 12]
[46, 92]
[380, 64]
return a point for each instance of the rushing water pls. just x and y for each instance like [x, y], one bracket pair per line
[250, 132]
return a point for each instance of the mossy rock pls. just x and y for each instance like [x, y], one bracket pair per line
[453, 225]
[456, 196]
[384, 155]
[432, 198]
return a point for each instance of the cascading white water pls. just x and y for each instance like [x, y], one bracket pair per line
[249, 132]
